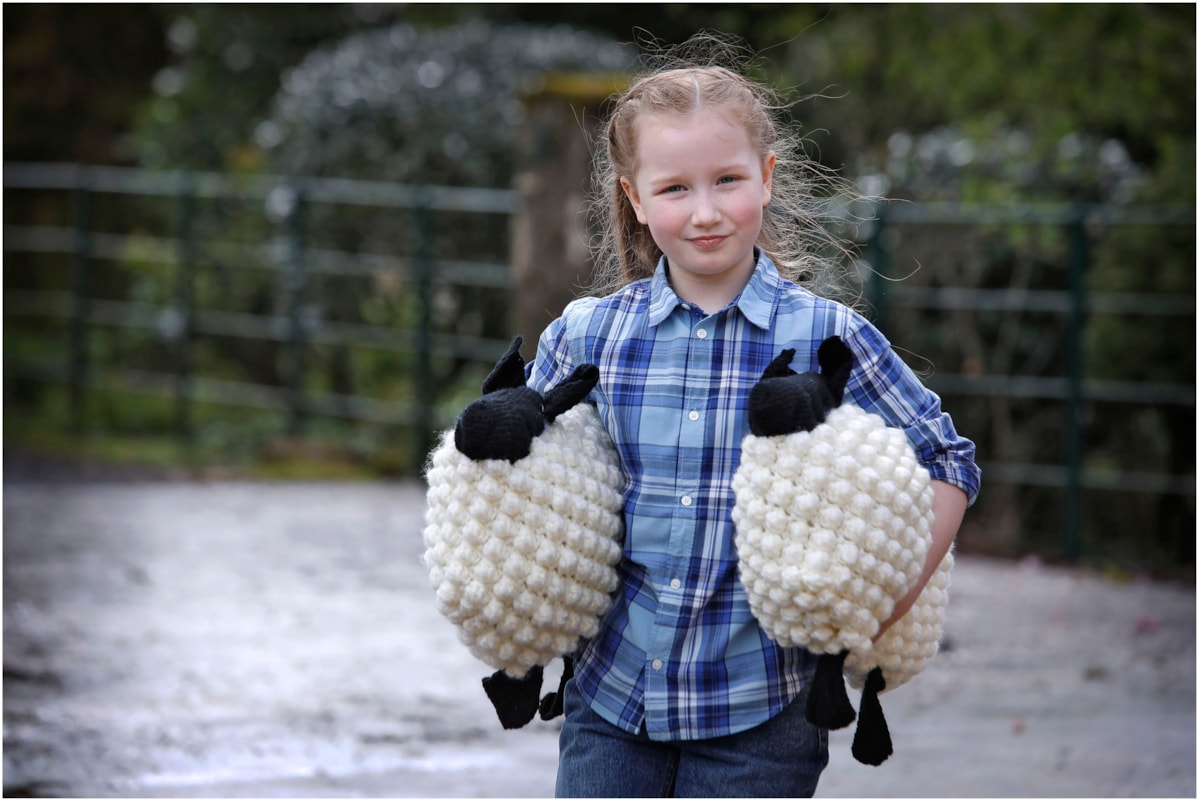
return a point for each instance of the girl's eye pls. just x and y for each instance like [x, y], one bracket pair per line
[728, 179]
[674, 188]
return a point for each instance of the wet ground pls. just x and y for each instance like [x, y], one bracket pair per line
[166, 638]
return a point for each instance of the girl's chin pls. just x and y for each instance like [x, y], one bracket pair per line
[713, 267]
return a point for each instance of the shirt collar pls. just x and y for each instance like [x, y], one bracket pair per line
[756, 301]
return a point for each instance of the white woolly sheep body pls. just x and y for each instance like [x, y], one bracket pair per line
[522, 555]
[832, 528]
[902, 652]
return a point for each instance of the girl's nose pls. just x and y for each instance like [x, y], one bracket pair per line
[705, 211]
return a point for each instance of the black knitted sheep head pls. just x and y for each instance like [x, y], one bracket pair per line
[503, 422]
[784, 401]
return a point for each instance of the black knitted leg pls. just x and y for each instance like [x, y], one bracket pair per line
[552, 703]
[872, 741]
[828, 705]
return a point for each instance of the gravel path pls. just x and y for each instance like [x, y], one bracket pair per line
[188, 639]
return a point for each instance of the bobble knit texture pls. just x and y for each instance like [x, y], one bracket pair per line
[522, 555]
[912, 641]
[833, 527]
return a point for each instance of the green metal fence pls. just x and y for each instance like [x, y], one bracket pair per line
[291, 256]
[1068, 298]
[294, 256]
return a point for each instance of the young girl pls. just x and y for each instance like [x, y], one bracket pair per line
[681, 693]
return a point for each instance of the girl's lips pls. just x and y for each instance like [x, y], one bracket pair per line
[707, 243]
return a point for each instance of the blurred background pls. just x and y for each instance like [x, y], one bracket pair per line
[288, 241]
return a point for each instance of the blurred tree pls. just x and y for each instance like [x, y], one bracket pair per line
[760, 25]
[226, 63]
[235, 56]
[421, 105]
[72, 75]
[1040, 81]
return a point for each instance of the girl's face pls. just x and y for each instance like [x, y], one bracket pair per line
[701, 186]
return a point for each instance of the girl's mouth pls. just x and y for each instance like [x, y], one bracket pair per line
[707, 243]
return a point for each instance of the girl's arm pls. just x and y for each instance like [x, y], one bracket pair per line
[949, 504]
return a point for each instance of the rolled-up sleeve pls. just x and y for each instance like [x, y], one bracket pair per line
[883, 384]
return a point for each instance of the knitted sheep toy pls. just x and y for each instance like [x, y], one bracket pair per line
[523, 530]
[833, 518]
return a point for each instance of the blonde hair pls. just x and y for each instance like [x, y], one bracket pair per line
[792, 233]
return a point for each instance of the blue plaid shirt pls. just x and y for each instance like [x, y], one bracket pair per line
[680, 652]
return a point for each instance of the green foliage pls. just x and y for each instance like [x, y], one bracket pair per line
[226, 62]
[1120, 72]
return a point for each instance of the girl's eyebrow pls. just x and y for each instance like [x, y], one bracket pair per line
[665, 178]
[676, 178]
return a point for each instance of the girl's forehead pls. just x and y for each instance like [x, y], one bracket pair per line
[661, 132]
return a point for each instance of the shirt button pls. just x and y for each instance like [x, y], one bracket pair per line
[702, 334]
[675, 584]
[693, 415]
[656, 665]
[686, 501]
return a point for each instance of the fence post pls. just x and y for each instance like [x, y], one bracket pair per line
[551, 260]
[424, 373]
[1076, 270]
[295, 284]
[183, 302]
[78, 366]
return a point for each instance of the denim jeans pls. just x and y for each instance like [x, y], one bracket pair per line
[782, 757]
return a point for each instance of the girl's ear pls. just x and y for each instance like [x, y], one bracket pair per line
[634, 200]
[768, 168]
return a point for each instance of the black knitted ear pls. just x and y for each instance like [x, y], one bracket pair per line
[780, 365]
[570, 391]
[509, 370]
[771, 403]
[872, 741]
[836, 361]
[515, 700]
[828, 704]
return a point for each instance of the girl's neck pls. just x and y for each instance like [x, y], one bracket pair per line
[710, 293]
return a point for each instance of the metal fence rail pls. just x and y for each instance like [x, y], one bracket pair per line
[290, 256]
[1073, 304]
[293, 259]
